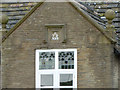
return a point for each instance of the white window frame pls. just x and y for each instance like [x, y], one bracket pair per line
[56, 72]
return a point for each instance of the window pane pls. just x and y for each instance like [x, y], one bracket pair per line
[66, 60]
[47, 60]
[46, 80]
[46, 89]
[66, 79]
[67, 89]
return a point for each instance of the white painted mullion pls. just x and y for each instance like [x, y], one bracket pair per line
[37, 69]
[56, 60]
[56, 70]
[75, 69]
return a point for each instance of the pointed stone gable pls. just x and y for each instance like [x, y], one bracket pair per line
[56, 13]
[94, 50]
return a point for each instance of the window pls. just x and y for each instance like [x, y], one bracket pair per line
[56, 68]
[46, 60]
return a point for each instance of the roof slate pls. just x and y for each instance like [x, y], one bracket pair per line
[15, 11]
[97, 11]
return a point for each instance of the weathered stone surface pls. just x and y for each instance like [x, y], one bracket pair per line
[94, 51]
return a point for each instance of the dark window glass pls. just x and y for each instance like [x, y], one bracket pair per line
[66, 80]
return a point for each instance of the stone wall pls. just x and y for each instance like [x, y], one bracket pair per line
[94, 51]
[119, 72]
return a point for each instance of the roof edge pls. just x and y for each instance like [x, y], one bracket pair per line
[75, 5]
[22, 20]
[92, 21]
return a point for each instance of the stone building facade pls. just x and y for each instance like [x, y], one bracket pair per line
[72, 28]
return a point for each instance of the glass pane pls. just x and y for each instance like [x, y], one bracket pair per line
[66, 60]
[67, 89]
[47, 60]
[66, 79]
[46, 80]
[46, 89]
